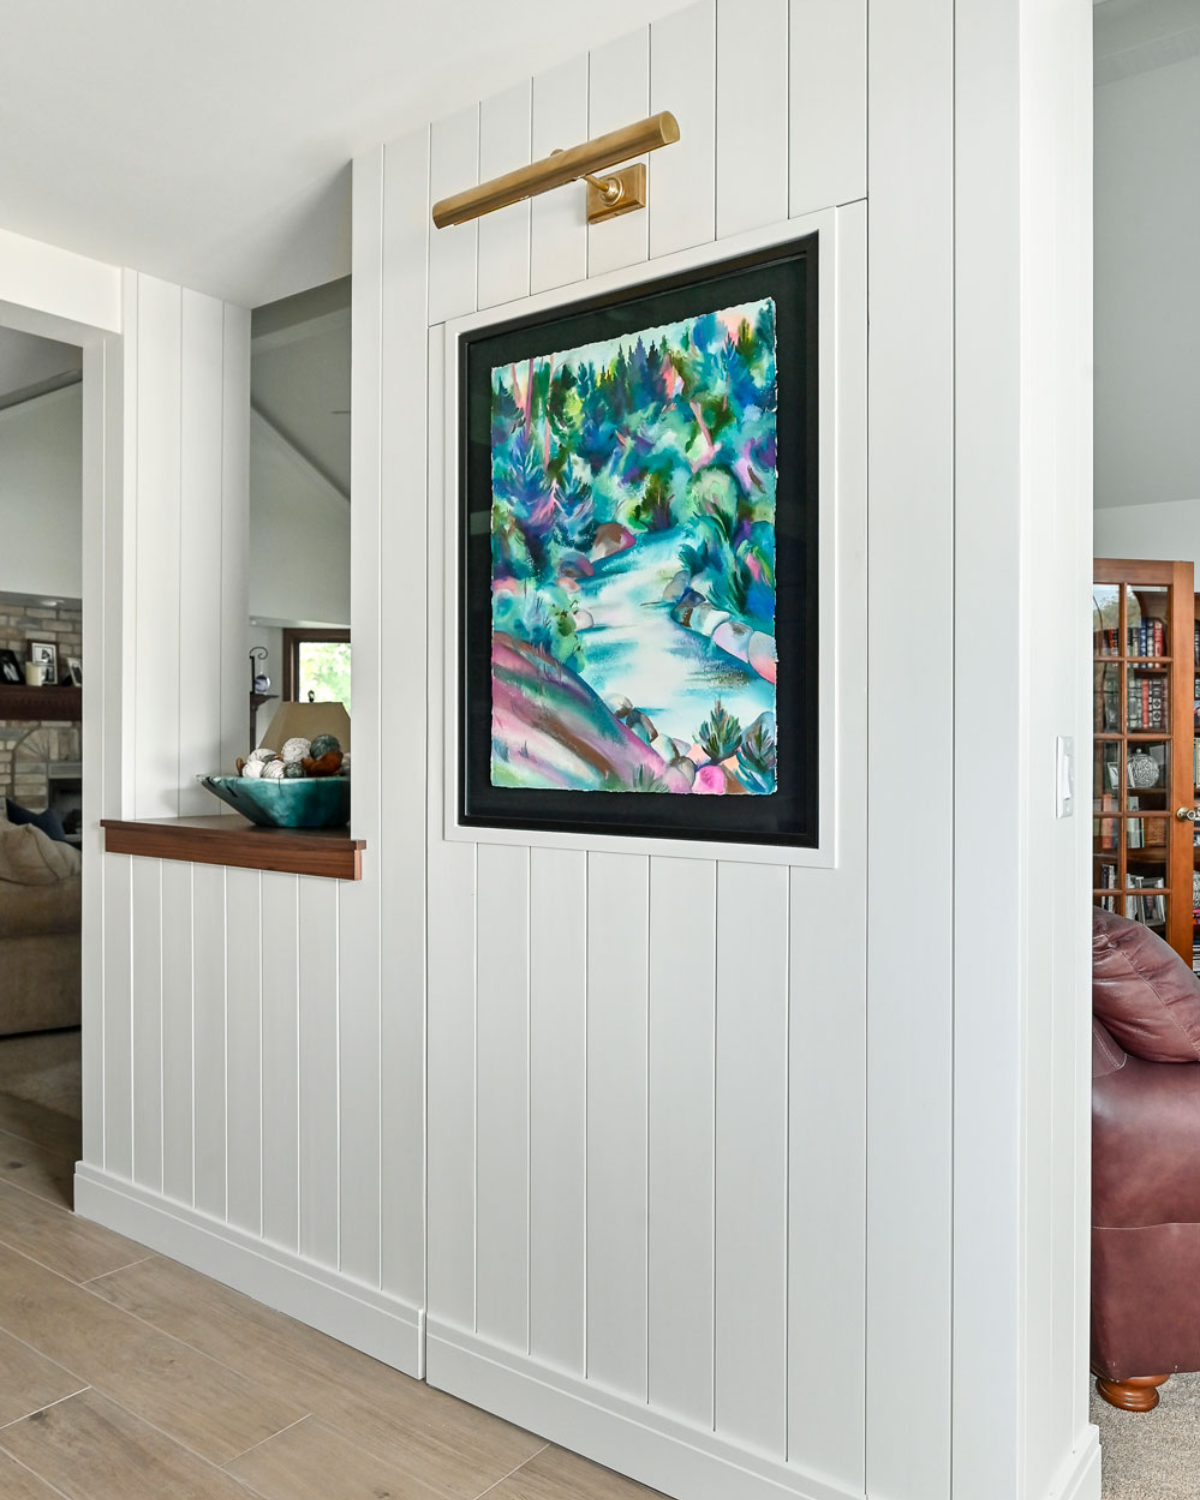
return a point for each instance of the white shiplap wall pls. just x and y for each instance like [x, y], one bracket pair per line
[245, 1028]
[646, 1074]
[650, 1218]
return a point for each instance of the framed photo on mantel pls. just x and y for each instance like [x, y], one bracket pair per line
[637, 559]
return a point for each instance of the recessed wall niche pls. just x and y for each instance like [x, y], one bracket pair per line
[299, 565]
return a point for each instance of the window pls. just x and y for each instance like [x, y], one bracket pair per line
[316, 666]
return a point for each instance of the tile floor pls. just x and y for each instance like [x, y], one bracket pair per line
[126, 1376]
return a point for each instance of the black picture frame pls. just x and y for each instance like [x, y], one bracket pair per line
[788, 273]
[12, 673]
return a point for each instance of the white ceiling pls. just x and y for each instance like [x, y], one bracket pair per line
[207, 142]
[1134, 36]
[27, 363]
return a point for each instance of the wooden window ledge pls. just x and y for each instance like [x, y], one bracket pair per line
[232, 840]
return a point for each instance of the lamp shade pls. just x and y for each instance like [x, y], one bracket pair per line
[306, 721]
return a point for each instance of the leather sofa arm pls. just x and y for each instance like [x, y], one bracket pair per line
[1107, 1053]
[1146, 1144]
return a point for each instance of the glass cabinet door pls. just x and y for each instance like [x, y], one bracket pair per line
[1143, 761]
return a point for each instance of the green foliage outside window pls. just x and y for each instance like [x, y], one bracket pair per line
[324, 671]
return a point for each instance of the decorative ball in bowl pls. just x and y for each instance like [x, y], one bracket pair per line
[306, 802]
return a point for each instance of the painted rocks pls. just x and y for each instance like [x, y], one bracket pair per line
[295, 750]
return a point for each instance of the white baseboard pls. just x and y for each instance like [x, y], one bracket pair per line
[1080, 1476]
[363, 1317]
[633, 1439]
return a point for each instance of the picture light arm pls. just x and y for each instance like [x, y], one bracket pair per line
[608, 194]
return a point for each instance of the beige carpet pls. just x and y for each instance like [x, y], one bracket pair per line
[1154, 1456]
[43, 1069]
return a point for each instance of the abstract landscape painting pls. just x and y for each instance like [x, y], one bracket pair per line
[633, 562]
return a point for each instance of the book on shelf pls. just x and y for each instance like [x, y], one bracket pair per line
[1150, 910]
[1147, 639]
[1145, 704]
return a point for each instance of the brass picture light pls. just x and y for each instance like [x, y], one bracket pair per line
[608, 195]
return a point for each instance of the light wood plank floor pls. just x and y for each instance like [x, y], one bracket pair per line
[126, 1376]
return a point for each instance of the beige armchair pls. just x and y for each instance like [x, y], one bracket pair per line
[39, 931]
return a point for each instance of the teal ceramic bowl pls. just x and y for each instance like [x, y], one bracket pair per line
[316, 802]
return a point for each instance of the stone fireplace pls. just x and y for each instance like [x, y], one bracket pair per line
[40, 747]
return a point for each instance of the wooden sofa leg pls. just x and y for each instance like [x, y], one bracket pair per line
[1138, 1393]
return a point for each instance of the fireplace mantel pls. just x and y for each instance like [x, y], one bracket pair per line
[40, 705]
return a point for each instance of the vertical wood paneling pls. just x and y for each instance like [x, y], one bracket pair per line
[235, 535]
[156, 705]
[209, 1009]
[557, 1106]
[177, 1031]
[118, 1017]
[993, 527]
[121, 559]
[450, 1201]
[683, 944]
[502, 932]
[101, 388]
[505, 123]
[453, 166]
[318, 1043]
[201, 414]
[618, 895]
[683, 63]
[359, 906]
[752, 114]
[828, 125]
[558, 253]
[145, 876]
[404, 528]
[618, 93]
[827, 1030]
[909, 974]
[243, 981]
[280, 1061]
[751, 1156]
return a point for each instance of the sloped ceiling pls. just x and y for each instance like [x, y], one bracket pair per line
[30, 365]
[300, 377]
[208, 142]
[1134, 36]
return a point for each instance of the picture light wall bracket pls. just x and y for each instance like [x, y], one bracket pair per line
[609, 193]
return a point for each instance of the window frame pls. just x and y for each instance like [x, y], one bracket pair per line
[293, 638]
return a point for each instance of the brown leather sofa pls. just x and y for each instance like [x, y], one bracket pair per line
[1145, 1163]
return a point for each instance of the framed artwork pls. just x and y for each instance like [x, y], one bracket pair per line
[45, 653]
[75, 668]
[637, 559]
[11, 670]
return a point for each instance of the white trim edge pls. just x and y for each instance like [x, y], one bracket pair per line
[365, 1318]
[1079, 1478]
[832, 296]
[627, 1436]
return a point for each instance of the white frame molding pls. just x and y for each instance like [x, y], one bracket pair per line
[832, 419]
[57, 294]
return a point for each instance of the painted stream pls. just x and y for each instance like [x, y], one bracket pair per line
[637, 651]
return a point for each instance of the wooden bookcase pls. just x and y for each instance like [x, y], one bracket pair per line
[1143, 784]
[1195, 955]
